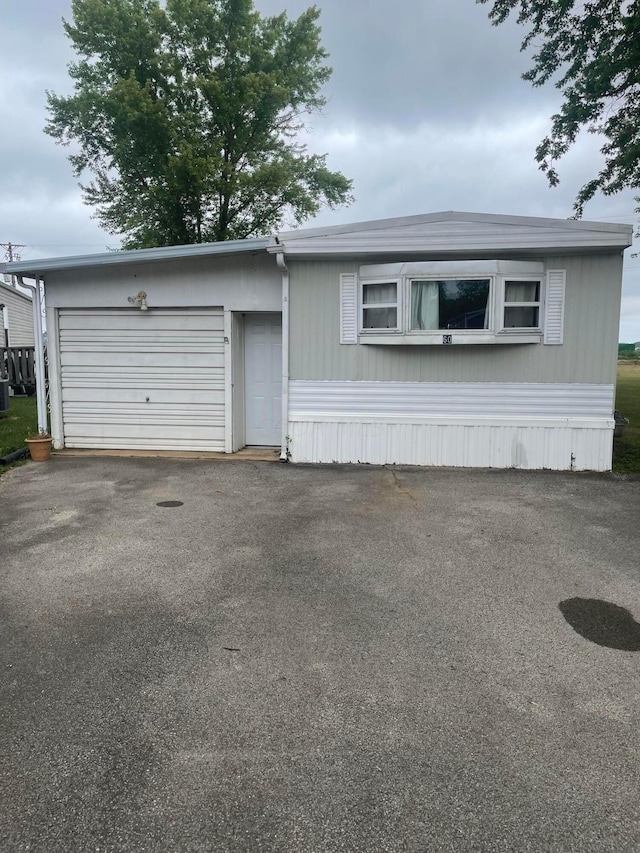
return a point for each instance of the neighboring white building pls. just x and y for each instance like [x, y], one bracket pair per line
[450, 339]
[17, 313]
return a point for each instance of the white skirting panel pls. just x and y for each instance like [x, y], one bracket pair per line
[573, 429]
[561, 448]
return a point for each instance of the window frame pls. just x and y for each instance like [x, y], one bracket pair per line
[514, 330]
[408, 285]
[403, 274]
[398, 305]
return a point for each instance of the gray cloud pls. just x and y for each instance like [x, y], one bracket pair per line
[419, 60]
[426, 111]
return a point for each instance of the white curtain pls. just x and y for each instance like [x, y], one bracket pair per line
[519, 317]
[374, 293]
[425, 305]
[379, 294]
[519, 291]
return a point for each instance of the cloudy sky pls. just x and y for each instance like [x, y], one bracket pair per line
[426, 111]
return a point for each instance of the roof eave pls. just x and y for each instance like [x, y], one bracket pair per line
[138, 256]
[322, 247]
[570, 225]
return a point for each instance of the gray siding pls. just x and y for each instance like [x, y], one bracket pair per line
[588, 355]
[236, 283]
[20, 311]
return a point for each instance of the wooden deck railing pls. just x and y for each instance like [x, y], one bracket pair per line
[18, 364]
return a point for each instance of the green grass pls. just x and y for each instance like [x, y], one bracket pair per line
[20, 421]
[626, 450]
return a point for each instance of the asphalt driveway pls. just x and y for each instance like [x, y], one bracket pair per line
[317, 659]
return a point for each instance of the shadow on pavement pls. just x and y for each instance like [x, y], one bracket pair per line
[603, 623]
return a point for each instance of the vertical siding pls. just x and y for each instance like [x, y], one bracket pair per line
[588, 354]
[20, 312]
[456, 446]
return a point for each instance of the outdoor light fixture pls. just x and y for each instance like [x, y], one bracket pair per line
[140, 299]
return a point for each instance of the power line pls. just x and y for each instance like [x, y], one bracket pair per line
[12, 255]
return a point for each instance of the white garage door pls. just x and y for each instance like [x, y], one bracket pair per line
[151, 380]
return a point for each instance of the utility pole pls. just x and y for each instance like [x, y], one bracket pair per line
[12, 255]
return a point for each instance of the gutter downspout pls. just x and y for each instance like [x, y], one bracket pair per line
[41, 391]
[5, 344]
[5, 331]
[284, 449]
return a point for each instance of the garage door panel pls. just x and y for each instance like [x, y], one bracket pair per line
[136, 443]
[173, 336]
[92, 397]
[184, 344]
[158, 431]
[143, 411]
[143, 380]
[123, 377]
[205, 339]
[116, 322]
[86, 383]
[105, 360]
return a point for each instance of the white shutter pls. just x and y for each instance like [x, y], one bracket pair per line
[349, 308]
[554, 307]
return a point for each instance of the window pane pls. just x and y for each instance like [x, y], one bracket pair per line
[372, 293]
[450, 304]
[521, 318]
[425, 305]
[380, 318]
[522, 291]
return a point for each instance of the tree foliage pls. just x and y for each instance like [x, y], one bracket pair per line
[592, 49]
[188, 113]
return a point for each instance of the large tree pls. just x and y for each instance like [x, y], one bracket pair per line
[187, 116]
[592, 50]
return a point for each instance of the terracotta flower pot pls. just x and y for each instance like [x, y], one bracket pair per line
[40, 448]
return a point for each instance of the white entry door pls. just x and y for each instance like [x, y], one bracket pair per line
[263, 379]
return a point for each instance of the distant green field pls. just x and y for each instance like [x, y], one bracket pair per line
[20, 421]
[626, 450]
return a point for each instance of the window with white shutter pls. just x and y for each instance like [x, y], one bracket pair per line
[452, 302]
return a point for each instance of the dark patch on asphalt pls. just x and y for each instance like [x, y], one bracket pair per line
[602, 622]
[170, 503]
